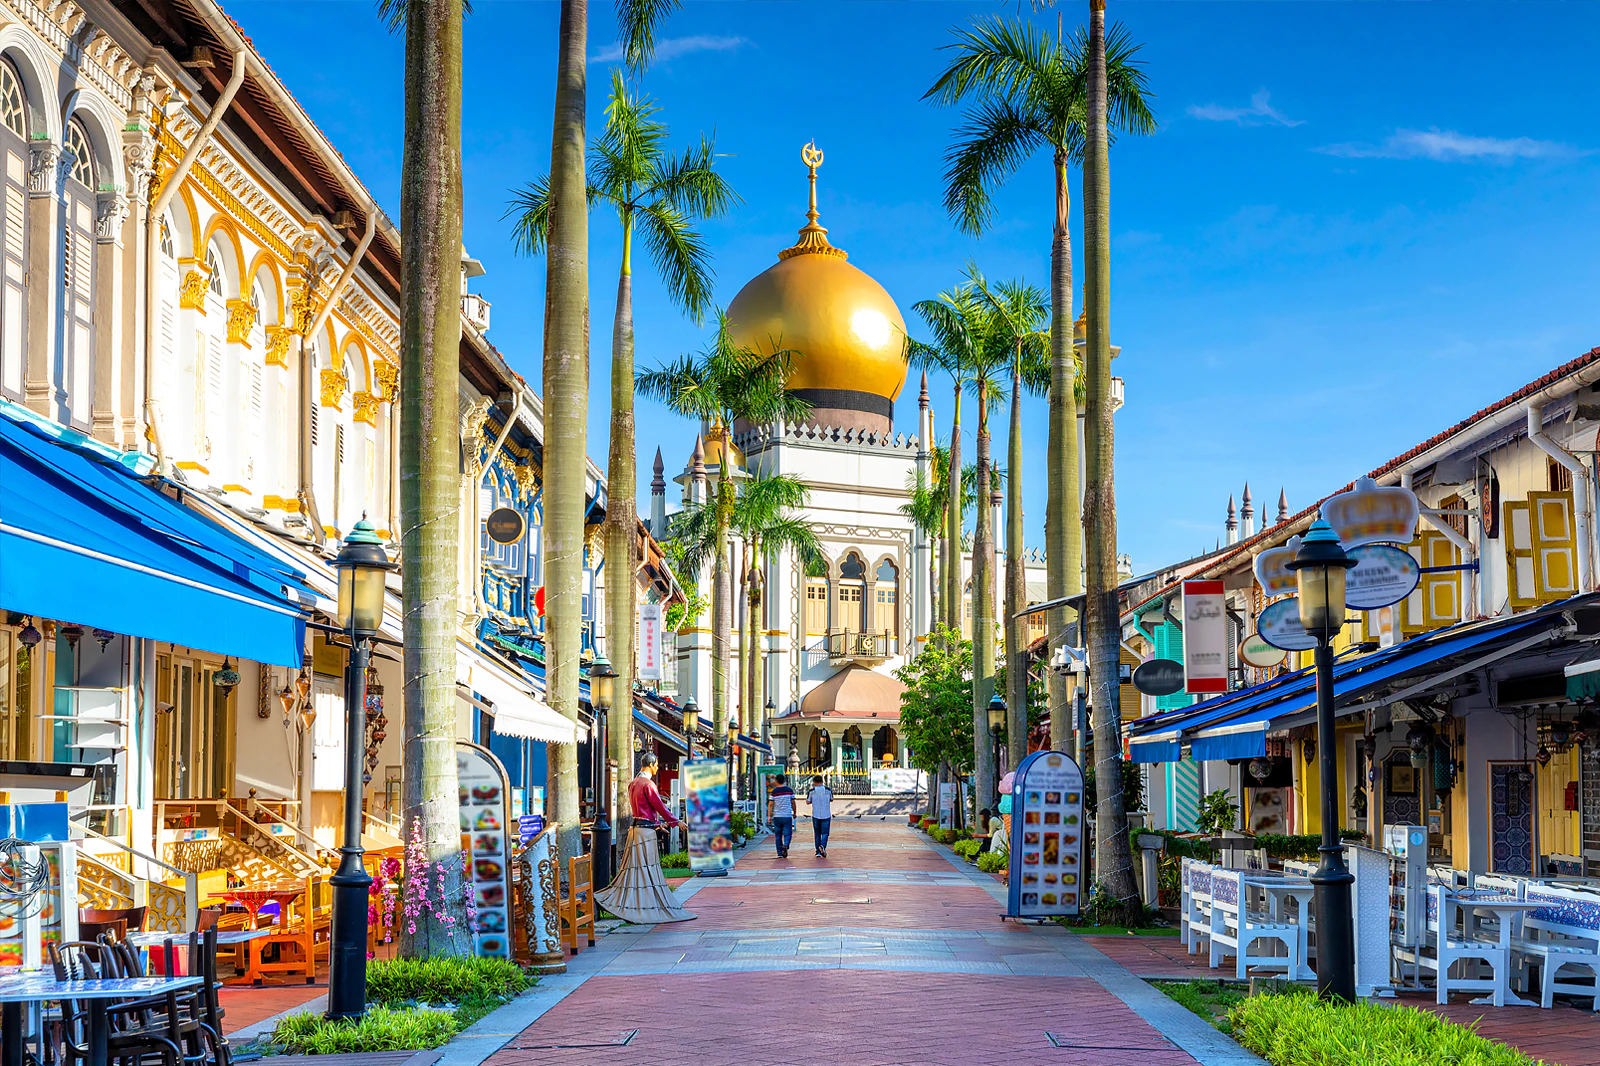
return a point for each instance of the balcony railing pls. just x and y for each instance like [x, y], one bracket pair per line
[854, 644]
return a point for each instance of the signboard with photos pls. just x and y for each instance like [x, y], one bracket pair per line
[1047, 875]
[484, 789]
[708, 815]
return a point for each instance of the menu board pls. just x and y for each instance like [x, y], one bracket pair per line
[26, 930]
[1047, 831]
[705, 784]
[484, 791]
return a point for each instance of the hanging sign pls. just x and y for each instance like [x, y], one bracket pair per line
[705, 783]
[1205, 637]
[1371, 513]
[1383, 575]
[1255, 650]
[650, 642]
[1272, 569]
[1159, 677]
[484, 790]
[1279, 625]
[1046, 860]
[505, 526]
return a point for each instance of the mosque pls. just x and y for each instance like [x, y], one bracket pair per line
[834, 633]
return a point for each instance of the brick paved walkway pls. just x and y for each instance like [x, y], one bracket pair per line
[884, 954]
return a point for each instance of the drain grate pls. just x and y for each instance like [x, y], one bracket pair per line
[844, 902]
[1057, 1040]
[622, 1041]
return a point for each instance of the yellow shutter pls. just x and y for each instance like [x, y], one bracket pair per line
[1516, 530]
[1410, 618]
[1441, 593]
[1128, 696]
[1555, 547]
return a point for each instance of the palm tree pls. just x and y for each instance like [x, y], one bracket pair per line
[661, 196]
[1113, 856]
[716, 386]
[430, 486]
[1019, 314]
[926, 506]
[1027, 92]
[566, 373]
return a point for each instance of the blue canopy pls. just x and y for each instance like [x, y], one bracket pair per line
[84, 541]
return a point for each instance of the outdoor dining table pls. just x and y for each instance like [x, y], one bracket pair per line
[38, 988]
[1280, 888]
[226, 938]
[1505, 908]
[252, 900]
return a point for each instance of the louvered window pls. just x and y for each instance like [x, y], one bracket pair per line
[13, 230]
[77, 278]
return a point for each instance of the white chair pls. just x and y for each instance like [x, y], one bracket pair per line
[1563, 934]
[1236, 926]
[1195, 904]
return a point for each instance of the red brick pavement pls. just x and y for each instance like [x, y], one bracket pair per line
[844, 1017]
[1158, 956]
[1562, 1036]
[246, 1005]
[784, 906]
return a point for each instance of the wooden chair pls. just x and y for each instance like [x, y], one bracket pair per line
[577, 903]
[133, 916]
[303, 934]
[93, 931]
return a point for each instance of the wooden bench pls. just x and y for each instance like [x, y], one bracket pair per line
[303, 933]
[577, 903]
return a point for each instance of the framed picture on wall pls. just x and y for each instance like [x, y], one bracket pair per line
[1402, 779]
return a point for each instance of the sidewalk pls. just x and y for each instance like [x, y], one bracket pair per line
[885, 953]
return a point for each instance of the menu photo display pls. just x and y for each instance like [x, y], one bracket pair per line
[483, 838]
[1047, 837]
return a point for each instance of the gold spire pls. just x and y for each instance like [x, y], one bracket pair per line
[813, 238]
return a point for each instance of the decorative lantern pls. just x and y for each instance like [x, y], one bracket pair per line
[30, 635]
[226, 679]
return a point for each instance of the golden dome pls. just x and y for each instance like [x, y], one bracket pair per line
[713, 455]
[847, 333]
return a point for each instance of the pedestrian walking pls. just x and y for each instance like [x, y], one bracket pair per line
[782, 797]
[821, 799]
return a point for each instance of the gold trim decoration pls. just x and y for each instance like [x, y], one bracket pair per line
[813, 238]
[188, 465]
[333, 388]
[236, 488]
[365, 407]
[278, 339]
[386, 380]
[192, 292]
[299, 308]
[241, 317]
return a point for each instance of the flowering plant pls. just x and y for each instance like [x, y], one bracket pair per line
[418, 895]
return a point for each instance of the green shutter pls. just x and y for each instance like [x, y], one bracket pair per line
[1169, 645]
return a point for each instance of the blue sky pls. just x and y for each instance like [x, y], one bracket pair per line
[1357, 223]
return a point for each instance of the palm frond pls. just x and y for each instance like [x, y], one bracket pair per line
[794, 534]
[636, 29]
[396, 14]
[531, 207]
[995, 139]
[681, 257]
[691, 182]
[694, 539]
[994, 56]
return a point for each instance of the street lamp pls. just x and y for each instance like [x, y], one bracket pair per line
[362, 567]
[691, 722]
[1320, 566]
[997, 722]
[602, 682]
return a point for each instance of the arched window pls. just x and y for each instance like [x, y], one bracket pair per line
[214, 271]
[217, 378]
[851, 603]
[886, 600]
[166, 241]
[13, 228]
[77, 278]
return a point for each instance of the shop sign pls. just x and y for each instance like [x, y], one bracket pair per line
[1371, 514]
[1046, 874]
[650, 642]
[1272, 569]
[947, 804]
[1158, 677]
[505, 526]
[1383, 575]
[483, 790]
[705, 783]
[1205, 637]
[1279, 625]
[1256, 651]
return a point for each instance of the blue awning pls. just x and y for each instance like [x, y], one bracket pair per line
[84, 541]
[1157, 750]
[661, 733]
[752, 743]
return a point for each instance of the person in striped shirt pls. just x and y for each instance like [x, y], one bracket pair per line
[782, 798]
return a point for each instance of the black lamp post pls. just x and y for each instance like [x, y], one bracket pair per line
[1320, 566]
[997, 722]
[691, 722]
[362, 567]
[602, 681]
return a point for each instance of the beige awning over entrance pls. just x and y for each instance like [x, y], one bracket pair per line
[855, 694]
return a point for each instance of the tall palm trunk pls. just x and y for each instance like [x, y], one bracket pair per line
[752, 645]
[1113, 860]
[430, 482]
[1063, 524]
[621, 532]
[722, 593]
[954, 521]
[983, 618]
[1016, 582]
[566, 401]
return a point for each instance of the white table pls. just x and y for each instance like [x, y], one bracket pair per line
[1279, 889]
[1504, 908]
[37, 988]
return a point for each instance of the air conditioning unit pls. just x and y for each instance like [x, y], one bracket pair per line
[475, 312]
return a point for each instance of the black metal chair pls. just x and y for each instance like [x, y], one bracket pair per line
[129, 1046]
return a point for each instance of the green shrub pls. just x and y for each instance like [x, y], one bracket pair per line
[742, 824]
[675, 860]
[1217, 814]
[927, 824]
[967, 849]
[399, 982]
[1296, 1029]
[380, 1029]
[992, 862]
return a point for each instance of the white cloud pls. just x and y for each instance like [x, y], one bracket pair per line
[1259, 113]
[1448, 146]
[675, 47]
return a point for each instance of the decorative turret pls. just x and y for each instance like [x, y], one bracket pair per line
[1247, 514]
[1232, 525]
[658, 498]
[697, 471]
[1283, 506]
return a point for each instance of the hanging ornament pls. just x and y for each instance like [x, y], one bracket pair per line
[1543, 755]
[1418, 738]
[302, 685]
[103, 636]
[287, 699]
[308, 717]
[72, 634]
[227, 679]
[1560, 736]
[1260, 769]
[30, 635]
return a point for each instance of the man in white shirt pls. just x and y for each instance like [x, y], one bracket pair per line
[821, 800]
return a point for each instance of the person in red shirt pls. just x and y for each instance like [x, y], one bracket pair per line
[640, 894]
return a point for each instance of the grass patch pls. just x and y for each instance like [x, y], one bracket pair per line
[382, 1029]
[676, 871]
[405, 982]
[1209, 999]
[1116, 930]
[1296, 1029]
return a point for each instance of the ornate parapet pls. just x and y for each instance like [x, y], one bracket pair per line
[333, 388]
[241, 317]
[278, 338]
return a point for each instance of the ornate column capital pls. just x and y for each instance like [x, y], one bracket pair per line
[44, 160]
[333, 387]
[278, 338]
[111, 212]
[241, 317]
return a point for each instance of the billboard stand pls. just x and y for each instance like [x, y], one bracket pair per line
[1045, 878]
